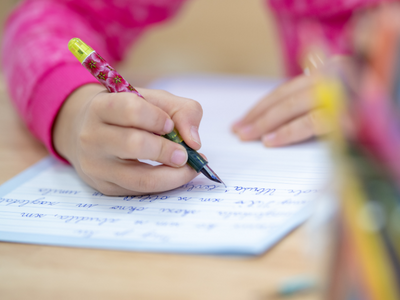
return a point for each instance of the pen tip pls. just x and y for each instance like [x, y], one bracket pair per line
[210, 174]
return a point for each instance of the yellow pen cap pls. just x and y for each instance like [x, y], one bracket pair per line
[79, 49]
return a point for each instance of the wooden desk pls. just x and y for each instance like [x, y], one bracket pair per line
[43, 272]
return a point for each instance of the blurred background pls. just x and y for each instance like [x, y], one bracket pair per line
[223, 36]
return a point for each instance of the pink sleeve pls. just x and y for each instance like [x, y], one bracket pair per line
[39, 69]
[297, 18]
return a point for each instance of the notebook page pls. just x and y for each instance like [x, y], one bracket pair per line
[268, 193]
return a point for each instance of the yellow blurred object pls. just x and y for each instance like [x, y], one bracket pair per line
[367, 245]
[363, 262]
[330, 95]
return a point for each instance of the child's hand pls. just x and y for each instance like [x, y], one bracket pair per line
[104, 134]
[288, 115]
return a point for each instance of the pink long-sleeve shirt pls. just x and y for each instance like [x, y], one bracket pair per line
[40, 71]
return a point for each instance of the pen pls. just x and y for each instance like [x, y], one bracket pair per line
[115, 83]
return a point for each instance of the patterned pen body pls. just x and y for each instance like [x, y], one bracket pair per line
[107, 75]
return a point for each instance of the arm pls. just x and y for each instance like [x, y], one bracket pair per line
[102, 135]
[289, 114]
[39, 69]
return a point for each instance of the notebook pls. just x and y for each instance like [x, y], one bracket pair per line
[269, 191]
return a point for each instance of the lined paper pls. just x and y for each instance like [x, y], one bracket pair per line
[269, 191]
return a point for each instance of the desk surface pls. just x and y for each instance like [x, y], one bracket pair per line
[45, 272]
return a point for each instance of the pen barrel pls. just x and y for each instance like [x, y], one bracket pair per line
[107, 75]
[115, 83]
[195, 160]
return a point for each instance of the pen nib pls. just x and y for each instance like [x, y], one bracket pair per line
[210, 174]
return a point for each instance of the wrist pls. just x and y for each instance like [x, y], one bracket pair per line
[68, 120]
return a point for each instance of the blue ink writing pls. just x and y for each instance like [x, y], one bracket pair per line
[129, 209]
[190, 187]
[29, 215]
[77, 219]
[298, 192]
[211, 200]
[97, 194]
[58, 191]
[21, 203]
[86, 205]
[142, 198]
[255, 190]
[183, 212]
[184, 198]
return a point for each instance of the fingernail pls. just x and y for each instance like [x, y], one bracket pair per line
[246, 131]
[179, 157]
[194, 132]
[237, 125]
[168, 126]
[268, 138]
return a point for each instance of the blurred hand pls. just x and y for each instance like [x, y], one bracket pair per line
[290, 114]
[104, 134]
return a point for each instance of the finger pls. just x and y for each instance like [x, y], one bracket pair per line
[279, 114]
[139, 178]
[300, 129]
[107, 176]
[109, 188]
[131, 143]
[129, 110]
[97, 182]
[283, 91]
[185, 113]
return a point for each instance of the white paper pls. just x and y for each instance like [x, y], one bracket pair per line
[269, 191]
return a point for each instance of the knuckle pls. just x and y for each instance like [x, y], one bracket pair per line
[135, 141]
[96, 105]
[159, 120]
[163, 93]
[195, 106]
[85, 139]
[132, 106]
[310, 121]
[107, 188]
[161, 149]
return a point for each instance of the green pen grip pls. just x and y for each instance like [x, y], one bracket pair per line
[195, 160]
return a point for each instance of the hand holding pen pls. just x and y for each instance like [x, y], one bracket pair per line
[103, 135]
